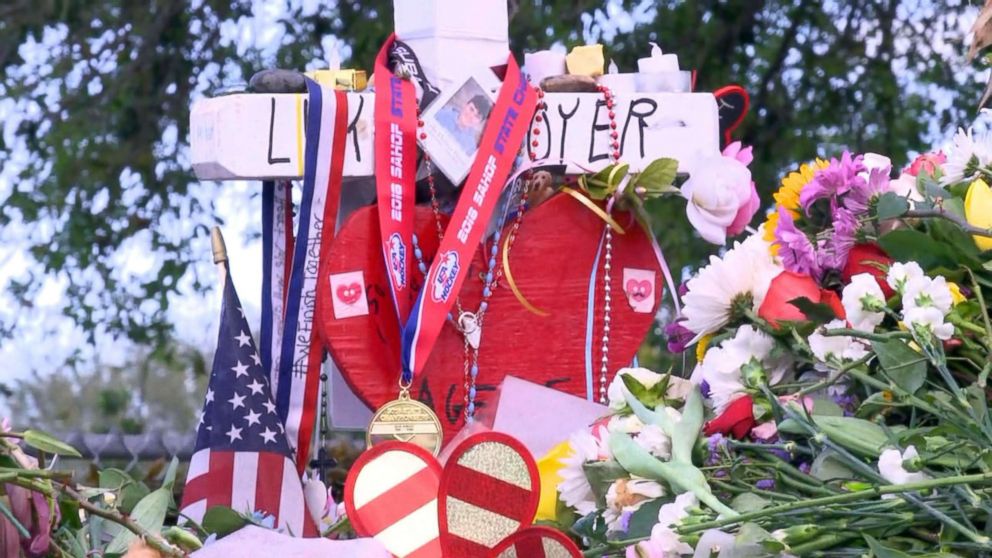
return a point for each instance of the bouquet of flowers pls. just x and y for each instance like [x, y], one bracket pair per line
[839, 400]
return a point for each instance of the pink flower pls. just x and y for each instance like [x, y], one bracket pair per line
[927, 162]
[721, 195]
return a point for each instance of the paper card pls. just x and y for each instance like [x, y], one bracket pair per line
[542, 417]
[639, 286]
[348, 292]
[454, 122]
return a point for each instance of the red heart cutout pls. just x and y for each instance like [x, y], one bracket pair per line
[537, 542]
[490, 489]
[639, 290]
[551, 261]
[349, 294]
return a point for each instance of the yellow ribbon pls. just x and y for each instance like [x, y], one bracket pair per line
[513, 285]
[595, 209]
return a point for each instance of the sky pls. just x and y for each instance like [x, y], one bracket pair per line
[44, 338]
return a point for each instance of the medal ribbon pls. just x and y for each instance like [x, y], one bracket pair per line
[301, 352]
[395, 176]
[277, 247]
[505, 129]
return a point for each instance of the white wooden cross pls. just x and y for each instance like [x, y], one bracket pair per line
[261, 136]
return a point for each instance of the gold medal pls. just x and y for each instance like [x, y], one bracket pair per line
[406, 420]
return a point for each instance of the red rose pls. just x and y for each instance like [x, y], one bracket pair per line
[866, 258]
[737, 420]
[790, 285]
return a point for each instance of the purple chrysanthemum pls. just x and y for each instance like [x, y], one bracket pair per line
[797, 252]
[833, 251]
[833, 181]
[862, 193]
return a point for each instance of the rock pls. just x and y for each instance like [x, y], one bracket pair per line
[568, 84]
[277, 81]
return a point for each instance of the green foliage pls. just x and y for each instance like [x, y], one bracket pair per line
[904, 366]
[47, 443]
[101, 111]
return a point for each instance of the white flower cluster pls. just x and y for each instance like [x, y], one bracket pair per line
[863, 302]
[925, 301]
[722, 366]
[967, 149]
[840, 347]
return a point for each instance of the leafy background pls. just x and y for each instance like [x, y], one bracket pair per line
[102, 219]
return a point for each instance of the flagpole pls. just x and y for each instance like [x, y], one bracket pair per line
[219, 249]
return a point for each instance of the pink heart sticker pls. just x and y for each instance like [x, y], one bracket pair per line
[349, 294]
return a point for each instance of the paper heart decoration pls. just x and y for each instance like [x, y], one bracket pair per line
[557, 249]
[639, 290]
[490, 489]
[349, 294]
[537, 542]
[391, 495]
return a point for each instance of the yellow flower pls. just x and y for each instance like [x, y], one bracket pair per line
[978, 211]
[793, 183]
[956, 296]
[701, 347]
[768, 234]
[548, 467]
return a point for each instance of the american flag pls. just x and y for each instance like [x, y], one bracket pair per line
[242, 458]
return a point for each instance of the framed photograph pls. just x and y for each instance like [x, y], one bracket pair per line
[454, 123]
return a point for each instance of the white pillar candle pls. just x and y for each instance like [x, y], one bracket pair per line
[658, 62]
[544, 63]
[620, 84]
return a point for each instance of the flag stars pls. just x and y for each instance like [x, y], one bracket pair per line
[244, 339]
[234, 433]
[210, 396]
[240, 369]
[268, 435]
[253, 417]
[255, 387]
[256, 359]
[270, 406]
[237, 401]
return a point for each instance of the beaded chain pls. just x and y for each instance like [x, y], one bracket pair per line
[614, 154]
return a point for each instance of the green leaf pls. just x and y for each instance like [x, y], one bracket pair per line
[904, 366]
[882, 551]
[858, 435]
[45, 442]
[129, 491]
[222, 521]
[601, 475]
[170, 474]
[891, 205]
[815, 311]
[749, 502]
[644, 519]
[658, 176]
[828, 467]
[591, 526]
[149, 513]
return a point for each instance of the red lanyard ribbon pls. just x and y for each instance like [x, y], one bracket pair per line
[505, 129]
[395, 175]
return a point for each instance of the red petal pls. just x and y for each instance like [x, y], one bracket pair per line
[737, 420]
[865, 258]
[831, 299]
[787, 286]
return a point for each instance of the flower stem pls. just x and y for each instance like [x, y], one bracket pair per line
[840, 499]
[940, 213]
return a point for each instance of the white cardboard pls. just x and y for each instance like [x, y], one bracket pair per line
[260, 136]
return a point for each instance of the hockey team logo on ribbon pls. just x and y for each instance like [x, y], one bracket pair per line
[444, 278]
[397, 260]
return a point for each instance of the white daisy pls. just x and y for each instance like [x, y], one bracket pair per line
[722, 366]
[967, 146]
[574, 487]
[743, 273]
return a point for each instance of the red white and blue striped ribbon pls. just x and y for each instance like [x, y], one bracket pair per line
[298, 380]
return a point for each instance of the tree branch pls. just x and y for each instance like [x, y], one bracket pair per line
[941, 213]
